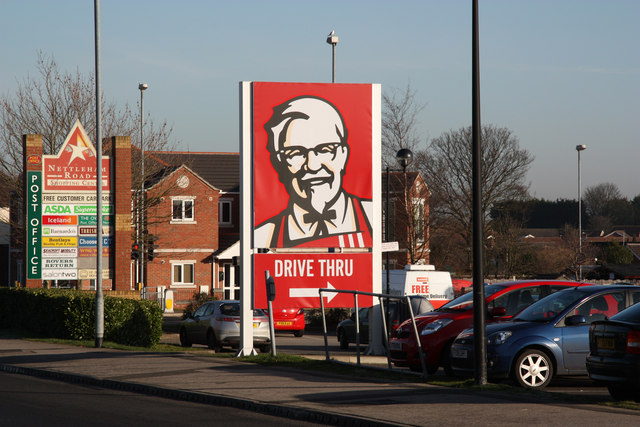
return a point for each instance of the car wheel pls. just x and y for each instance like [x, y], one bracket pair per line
[445, 360]
[264, 349]
[418, 368]
[533, 369]
[298, 334]
[184, 339]
[212, 343]
[342, 338]
[620, 392]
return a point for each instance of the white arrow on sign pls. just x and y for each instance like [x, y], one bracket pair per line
[311, 292]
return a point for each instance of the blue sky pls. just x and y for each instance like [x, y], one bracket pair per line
[556, 72]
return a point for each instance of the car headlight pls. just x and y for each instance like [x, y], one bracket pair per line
[499, 337]
[434, 326]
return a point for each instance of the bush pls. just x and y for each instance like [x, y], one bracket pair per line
[70, 314]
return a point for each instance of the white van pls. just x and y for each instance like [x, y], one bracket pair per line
[420, 280]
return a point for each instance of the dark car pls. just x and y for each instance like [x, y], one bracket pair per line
[614, 358]
[439, 328]
[398, 313]
[548, 338]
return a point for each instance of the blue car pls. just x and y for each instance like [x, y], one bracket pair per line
[550, 337]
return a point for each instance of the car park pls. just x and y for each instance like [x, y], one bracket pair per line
[217, 324]
[289, 320]
[398, 312]
[614, 353]
[438, 329]
[548, 338]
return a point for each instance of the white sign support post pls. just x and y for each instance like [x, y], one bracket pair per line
[246, 227]
[376, 346]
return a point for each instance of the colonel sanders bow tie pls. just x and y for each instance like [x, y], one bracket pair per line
[319, 219]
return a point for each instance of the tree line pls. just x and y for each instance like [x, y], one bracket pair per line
[508, 210]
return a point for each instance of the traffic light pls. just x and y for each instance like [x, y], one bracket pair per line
[135, 251]
[151, 246]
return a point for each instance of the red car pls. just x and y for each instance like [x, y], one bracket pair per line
[289, 319]
[439, 328]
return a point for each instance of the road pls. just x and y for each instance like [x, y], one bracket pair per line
[31, 401]
[312, 343]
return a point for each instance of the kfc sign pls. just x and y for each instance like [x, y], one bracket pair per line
[299, 276]
[313, 165]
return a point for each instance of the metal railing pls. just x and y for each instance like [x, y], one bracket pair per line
[381, 298]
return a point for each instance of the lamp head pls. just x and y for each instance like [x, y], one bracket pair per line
[581, 147]
[143, 86]
[404, 157]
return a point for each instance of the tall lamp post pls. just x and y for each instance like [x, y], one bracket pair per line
[404, 157]
[580, 148]
[142, 87]
[333, 40]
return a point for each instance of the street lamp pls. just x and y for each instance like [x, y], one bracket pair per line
[404, 157]
[580, 148]
[333, 41]
[142, 87]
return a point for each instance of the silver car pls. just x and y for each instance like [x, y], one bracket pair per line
[217, 324]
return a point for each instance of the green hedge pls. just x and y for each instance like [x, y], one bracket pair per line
[70, 314]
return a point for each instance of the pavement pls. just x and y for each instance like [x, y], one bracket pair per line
[323, 398]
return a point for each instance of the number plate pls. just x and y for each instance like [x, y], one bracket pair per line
[459, 353]
[284, 323]
[255, 325]
[605, 343]
[395, 345]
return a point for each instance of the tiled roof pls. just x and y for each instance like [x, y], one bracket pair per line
[221, 170]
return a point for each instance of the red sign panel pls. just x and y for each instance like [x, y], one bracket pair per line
[74, 167]
[299, 276]
[313, 181]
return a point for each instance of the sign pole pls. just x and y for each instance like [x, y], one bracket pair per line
[271, 295]
[99, 295]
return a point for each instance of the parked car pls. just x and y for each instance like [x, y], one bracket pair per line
[217, 324]
[289, 319]
[614, 358]
[439, 328]
[398, 313]
[548, 338]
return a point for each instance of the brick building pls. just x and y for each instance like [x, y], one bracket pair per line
[195, 219]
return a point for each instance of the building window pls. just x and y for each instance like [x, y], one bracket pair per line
[183, 273]
[224, 210]
[182, 210]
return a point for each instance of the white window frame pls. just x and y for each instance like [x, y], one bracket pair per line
[231, 290]
[184, 220]
[181, 264]
[221, 203]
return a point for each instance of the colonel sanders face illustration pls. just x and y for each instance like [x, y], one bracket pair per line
[307, 140]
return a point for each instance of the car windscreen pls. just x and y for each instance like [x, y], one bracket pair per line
[465, 302]
[230, 309]
[631, 314]
[550, 307]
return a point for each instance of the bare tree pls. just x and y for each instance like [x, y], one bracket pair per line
[49, 105]
[399, 120]
[598, 197]
[411, 195]
[446, 166]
